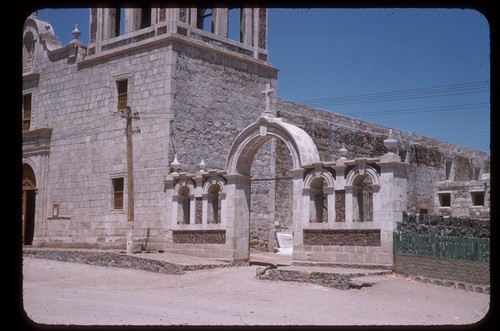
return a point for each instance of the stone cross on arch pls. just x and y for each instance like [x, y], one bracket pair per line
[268, 91]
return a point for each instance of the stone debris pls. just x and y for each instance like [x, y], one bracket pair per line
[330, 277]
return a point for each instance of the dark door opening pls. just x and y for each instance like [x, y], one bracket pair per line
[28, 216]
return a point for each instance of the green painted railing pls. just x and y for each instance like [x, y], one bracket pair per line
[474, 249]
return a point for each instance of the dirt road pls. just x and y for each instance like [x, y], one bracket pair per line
[77, 294]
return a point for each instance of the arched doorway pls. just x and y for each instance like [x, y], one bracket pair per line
[238, 168]
[28, 205]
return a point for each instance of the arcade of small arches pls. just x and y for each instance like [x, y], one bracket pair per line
[200, 198]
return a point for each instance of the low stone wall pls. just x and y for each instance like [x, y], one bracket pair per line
[343, 281]
[118, 260]
[464, 274]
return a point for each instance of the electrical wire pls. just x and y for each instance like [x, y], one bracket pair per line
[428, 92]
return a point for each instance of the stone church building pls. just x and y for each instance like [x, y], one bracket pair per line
[162, 134]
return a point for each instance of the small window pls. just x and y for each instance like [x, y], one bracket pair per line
[118, 193]
[122, 87]
[234, 25]
[55, 210]
[477, 172]
[145, 18]
[26, 112]
[403, 153]
[445, 199]
[184, 211]
[423, 211]
[448, 167]
[477, 198]
[204, 19]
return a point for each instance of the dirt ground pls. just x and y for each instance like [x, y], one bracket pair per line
[64, 293]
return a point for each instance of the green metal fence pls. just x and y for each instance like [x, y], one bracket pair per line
[474, 249]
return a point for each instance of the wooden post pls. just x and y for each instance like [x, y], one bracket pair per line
[130, 182]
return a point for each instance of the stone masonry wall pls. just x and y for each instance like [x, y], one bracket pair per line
[445, 226]
[284, 189]
[214, 102]
[88, 148]
[426, 156]
[341, 237]
[466, 273]
[262, 197]
[216, 99]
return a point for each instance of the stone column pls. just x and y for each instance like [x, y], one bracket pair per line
[392, 196]
[330, 192]
[348, 203]
[223, 209]
[192, 209]
[238, 217]
[220, 19]
[204, 209]
[171, 214]
[246, 26]
[255, 29]
[298, 216]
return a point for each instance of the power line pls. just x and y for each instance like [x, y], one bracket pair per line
[420, 110]
[436, 91]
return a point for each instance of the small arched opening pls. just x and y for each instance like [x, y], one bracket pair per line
[362, 199]
[184, 205]
[214, 204]
[318, 210]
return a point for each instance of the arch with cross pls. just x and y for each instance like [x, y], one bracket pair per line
[238, 166]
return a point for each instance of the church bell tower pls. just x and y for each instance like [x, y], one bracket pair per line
[240, 30]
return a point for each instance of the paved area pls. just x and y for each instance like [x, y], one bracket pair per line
[66, 293]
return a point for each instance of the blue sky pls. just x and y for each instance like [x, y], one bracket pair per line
[425, 71]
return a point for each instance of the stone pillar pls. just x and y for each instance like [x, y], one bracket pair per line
[223, 209]
[330, 192]
[220, 19]
[204, 209]
[172, 17]
[130, 20]
[99, 33]
[255, 29]
[246, 26]
[348, 203]
[171, 212]
[392, 196]
[238, 216]
[298, 213]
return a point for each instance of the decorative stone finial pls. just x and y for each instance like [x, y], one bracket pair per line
[202, 165]
[76, 33]
[175, 165]
[391, 143]
[343, 152]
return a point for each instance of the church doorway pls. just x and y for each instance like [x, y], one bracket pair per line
[28, 205]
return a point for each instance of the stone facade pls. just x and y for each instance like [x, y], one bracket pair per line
[216, 170]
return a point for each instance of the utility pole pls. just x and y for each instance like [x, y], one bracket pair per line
[130, 180]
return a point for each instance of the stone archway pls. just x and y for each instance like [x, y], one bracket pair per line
[238, 165]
